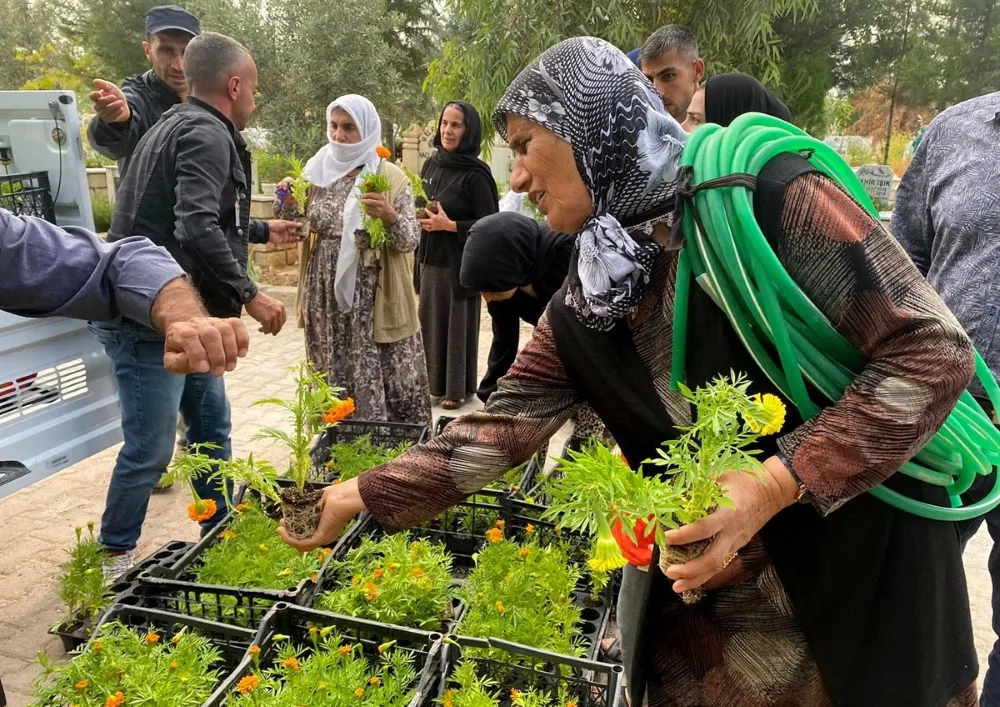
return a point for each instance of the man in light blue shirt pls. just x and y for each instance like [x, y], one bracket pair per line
[48, 271]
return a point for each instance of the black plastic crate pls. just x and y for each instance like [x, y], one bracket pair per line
[531, 485]
[27, 194]
[442, 422]
[232, 641]
[75, 636]
[591, 683]
[382, 434]
[174, 587]
[295, 622]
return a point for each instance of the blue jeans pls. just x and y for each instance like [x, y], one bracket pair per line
[150, 398]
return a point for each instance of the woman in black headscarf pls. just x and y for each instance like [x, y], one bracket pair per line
[518, 264]
[724, 98]
[461, 189]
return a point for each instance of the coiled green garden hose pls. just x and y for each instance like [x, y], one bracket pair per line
[728, 256]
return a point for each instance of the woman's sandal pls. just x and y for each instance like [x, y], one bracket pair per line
[452, 404]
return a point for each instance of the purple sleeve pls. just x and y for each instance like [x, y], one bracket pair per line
[47, 270]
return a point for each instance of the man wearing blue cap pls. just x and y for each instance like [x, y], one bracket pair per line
[125, 114]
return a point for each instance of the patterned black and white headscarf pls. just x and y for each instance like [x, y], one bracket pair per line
[627, 150]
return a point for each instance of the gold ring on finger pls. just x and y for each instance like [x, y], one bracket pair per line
[729, 559]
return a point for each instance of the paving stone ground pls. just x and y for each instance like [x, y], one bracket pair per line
[36, 524]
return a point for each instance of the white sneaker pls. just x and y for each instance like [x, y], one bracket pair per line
[120, 565]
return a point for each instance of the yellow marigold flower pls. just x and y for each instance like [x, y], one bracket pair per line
[116, 700]
[530, 499]
[287, 572]
[774, 413]
[291, 663]
[264, 549]
[228, 534]
[82, 685]
[500, 606]
[571, 703]
[378, 573]
[607, 556]
[202, 509]
[495, 535]
[152, 638]
[376, 680]
[359, 693]
[97, 645]
[448, 699]
[529, 529]
[324, 552]
[501, 524]
[254, 651]
[321, 686]
[248, 684]
[356, 579]
[174, 665]
[344, 650]
[416, 572]
[524, 552]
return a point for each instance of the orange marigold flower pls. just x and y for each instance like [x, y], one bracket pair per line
[228, 534]
[359, 693]
[376, 680]
[378, 573]
[356, 579]
[571, 703]
[529, 529]
[97, 645]
[291, 663]
[524, 552]
[243, 507]
[372, 590]
[344, 650]
[254, 651]
[500, 524]
[152, 638]
[393, 565]
[500, 606]
[448, 699]
[314, 578]
[116, 700]
[495, 535]
[202, 509]
[82, 685]
[174, 665]
[416, 572]
[248, 684]
[515, 694]
[383, 152]
[323, 553]
[338, 411]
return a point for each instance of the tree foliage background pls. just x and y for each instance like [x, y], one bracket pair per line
[411, 56]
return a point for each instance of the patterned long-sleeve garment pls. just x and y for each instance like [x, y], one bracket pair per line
[946, 217]
[747, 649]
[387, 381]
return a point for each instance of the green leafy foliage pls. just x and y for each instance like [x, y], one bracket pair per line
[375, 183]
[522, 593]
[250, 553]
[314, 398]
[393, 580]
[416, 185]
[144, 667]
[82, 586]
[596, 488]
[102, 210]
[351, 459]
[475, 691]
[333, 671]
[489, 49]
[258, 476]
[299, 190]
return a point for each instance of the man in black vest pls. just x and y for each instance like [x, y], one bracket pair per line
[125, 114]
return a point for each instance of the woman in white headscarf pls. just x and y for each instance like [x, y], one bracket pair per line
[357, 303]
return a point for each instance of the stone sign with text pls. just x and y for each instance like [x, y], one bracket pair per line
[877, 181]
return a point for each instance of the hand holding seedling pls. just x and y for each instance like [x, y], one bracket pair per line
[341, 502]
[753, 505]
[438, 220]
[377, 205]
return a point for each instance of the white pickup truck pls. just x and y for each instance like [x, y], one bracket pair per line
[58, 399]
